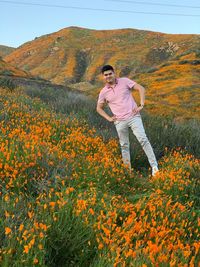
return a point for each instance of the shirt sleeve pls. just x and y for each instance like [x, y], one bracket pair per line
[101, 99]
[130, 83]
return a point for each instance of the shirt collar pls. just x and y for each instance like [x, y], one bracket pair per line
[113, 85]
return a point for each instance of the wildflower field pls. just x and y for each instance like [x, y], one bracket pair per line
[66, 200]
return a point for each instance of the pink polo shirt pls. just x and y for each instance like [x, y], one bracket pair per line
[119, 98]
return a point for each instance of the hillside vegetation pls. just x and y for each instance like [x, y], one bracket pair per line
[173, 87]
[76, 54]
[7, 69]
[67, 200]
[166, 64]
[5, 50]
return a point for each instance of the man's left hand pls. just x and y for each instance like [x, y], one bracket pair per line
[137, 109]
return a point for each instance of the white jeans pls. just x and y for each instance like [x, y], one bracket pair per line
[136, 125]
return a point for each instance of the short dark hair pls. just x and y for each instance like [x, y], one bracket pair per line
[107, 67]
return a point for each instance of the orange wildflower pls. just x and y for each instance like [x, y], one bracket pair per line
[7, 230]
[52, 204]
[21, 227]
[26, 249]
[35, 261]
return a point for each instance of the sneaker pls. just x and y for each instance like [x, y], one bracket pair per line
[154, 170]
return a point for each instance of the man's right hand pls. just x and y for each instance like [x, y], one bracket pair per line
[112, 119]
[104, 114]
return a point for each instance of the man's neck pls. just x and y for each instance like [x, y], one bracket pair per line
[112, 83]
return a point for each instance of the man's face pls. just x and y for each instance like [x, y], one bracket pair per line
[109, 76]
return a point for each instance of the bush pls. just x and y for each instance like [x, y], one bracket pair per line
[6, 72]
[7, 83]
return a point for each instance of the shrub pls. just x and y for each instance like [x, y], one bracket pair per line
[6, 72]
[7, 83]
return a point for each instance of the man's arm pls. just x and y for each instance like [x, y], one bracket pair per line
[103, 113]
[141, 90]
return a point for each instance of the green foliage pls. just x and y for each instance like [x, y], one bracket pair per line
[166, 64]
[151, 70]
[195, 62]
[164, 132]
[125, 71]
[183, 62]
[6, 50]
[7, 83]
[157, 55]
[6, 72]
[82, 63]
[70, 242]
[197, 52]
[63, 101]
[192, 62]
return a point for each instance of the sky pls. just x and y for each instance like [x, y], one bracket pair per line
[21, 21]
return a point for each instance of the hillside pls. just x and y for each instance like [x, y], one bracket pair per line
[173, 88]
[7, 69]
[5, 50]
[74, 54]
[166, 64]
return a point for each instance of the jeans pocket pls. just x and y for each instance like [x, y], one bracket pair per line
[116, 122]
[136, 115]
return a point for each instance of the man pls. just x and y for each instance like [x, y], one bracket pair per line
[126, 114]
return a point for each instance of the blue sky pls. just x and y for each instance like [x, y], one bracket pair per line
[21, 23]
